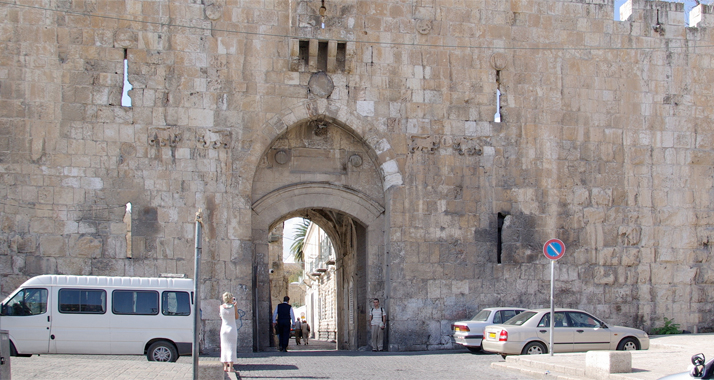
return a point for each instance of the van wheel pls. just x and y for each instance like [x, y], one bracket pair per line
[162, 351]
[13, 351]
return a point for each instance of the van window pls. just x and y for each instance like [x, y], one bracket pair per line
[26, 302]
[175, 303]
[82, 301]
[135, 302]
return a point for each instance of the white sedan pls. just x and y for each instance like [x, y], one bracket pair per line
[575, 331]
[469, 333]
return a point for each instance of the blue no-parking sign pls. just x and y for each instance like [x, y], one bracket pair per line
[554, 249]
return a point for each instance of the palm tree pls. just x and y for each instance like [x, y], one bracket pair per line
[298, 245]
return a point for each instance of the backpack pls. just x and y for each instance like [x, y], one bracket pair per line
[372, 310]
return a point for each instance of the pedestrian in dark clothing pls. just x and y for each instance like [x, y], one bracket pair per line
[283, 319]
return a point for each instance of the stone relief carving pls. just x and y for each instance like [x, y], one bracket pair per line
[162, 137]
[282, 157]
[423, 26]
[214, 139]
[171, 137]
[356, 160]
[430, 144]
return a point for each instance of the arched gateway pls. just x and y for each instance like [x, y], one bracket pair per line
[320, 168]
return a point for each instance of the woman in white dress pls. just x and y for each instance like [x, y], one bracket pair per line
[229, 333]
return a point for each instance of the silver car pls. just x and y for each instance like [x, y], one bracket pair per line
[699, 370]
[469, 333]
[575, 331]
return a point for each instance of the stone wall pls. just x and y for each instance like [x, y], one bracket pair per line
[604, 141]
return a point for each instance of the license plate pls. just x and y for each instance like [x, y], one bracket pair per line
[492, 335]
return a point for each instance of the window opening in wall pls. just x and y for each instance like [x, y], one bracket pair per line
[127, 223]
[623, 10]
[322, 56]
[499, 240]
[125, 99]
[341, 56]
[304, 51]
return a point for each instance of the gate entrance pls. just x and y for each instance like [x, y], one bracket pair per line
[322, 171]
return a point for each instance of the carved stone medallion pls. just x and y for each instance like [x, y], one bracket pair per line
[213, 11]
[499, 61]
[320, 84]
[356, 160]
[281, 157]
[423, 26]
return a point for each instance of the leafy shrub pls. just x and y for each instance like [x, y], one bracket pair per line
[669, 328]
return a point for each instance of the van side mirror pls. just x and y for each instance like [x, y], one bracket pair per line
[3, 309]
[698, 360]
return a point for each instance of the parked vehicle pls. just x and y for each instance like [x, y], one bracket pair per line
[100, 315]
[469, 333]
[698, 371]
[575, 331]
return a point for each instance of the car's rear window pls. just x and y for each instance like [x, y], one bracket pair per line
[520, 318]
[482, 316]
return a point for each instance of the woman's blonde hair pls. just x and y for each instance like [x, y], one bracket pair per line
[227, 297]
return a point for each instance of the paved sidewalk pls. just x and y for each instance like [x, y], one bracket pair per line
[668, 354]
[319, 360]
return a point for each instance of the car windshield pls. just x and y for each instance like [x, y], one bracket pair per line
[482, 316]
[520, 318]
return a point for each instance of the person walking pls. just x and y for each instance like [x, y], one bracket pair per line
[229, 332]
[377, 318]
[298, 331]
[283, 319]
[305, 332]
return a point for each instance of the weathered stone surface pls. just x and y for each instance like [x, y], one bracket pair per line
[608, 149]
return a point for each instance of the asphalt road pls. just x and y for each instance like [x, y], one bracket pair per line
[319, 360]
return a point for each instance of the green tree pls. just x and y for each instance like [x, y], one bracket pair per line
[298, 245]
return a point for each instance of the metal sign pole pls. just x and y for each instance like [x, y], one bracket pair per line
[196, 298]
[553, 249]
[552, 308]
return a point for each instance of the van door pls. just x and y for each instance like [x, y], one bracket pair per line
[81, 323]
[25, 316]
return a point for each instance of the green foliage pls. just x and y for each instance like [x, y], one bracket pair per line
[295, 277]
[299, 243]
[669, 328]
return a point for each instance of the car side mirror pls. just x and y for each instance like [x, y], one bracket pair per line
[698, 360]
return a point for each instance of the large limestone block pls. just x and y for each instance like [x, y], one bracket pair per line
[600, 364]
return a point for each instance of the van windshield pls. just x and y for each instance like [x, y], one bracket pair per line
[26, 302]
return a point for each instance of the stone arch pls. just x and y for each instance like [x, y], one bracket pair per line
[347, 201]
[337, 113]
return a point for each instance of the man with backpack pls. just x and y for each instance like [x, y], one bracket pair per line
[377, 318]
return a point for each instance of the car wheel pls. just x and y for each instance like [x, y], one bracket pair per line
[474, 349]
[628, 344]
[534, 348]
[162, 351]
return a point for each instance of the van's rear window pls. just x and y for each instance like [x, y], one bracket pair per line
[175, 303]
[82, 301]
[135, 302]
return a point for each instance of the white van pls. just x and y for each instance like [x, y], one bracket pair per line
[100, 315]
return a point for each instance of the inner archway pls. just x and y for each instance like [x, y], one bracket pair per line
[322, 171]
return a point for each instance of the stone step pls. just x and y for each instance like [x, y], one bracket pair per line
[537, 373]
